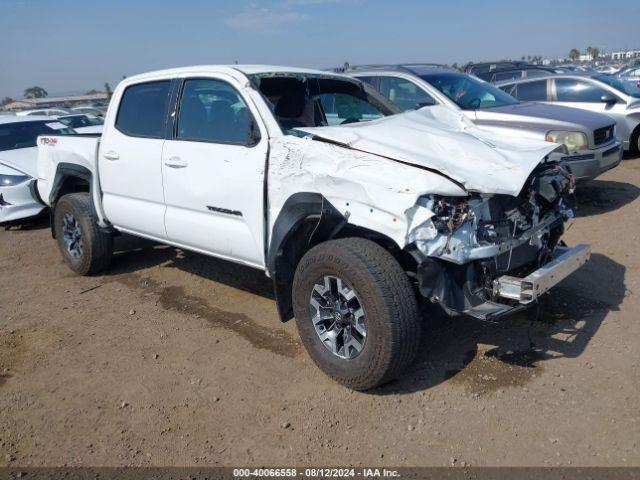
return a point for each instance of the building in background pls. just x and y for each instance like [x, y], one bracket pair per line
[34, 103]
[624, 54]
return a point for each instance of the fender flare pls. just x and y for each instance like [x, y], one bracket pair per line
[303, 217]
[65, 171]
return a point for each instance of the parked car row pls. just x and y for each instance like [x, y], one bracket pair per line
[352, 200]
[590, 140]
[617, 96]
[90, 109]
[500, 71]
[594, 93]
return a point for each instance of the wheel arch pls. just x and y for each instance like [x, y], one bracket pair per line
[69, 178]
[305, 220]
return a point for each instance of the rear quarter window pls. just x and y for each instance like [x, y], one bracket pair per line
[502, 76]
[143, 109]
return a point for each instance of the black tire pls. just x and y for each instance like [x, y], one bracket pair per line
[634, 141]
[393, 320]
[96, 245]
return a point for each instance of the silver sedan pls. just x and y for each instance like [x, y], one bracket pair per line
[597, 93]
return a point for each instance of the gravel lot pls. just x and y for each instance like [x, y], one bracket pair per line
[178, 359]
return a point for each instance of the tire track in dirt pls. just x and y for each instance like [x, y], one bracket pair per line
[175, 298]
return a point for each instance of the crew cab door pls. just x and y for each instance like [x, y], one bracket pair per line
[129, 160]
[213, 168]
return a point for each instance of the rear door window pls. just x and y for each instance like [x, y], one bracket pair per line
[143, 109]
[531, 91]
[502, 76]
[536, 73]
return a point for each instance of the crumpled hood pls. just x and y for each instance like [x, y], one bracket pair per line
[544, 117]
[24, 160]
[442, 139]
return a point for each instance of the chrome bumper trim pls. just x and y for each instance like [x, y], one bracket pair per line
[527, 289]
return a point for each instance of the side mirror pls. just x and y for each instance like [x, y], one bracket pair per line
[608, 99]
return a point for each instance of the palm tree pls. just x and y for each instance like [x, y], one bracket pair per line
[35, 92]
[593, 52]
[574, 54]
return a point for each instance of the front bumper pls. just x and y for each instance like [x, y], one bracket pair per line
[526, 290]
[18, 202]
[587, 166]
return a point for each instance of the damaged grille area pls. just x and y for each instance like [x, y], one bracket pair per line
[470, 241]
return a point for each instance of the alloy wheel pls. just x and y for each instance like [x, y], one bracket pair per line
[72, 235]
[338, 317]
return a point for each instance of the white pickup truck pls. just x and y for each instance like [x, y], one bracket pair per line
[352, 209]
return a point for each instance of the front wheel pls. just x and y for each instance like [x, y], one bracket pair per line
[356, 312]
[85, 247]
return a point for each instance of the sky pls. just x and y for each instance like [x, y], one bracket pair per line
[71, 46]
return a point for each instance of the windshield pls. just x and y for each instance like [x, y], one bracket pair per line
[468, 92]
[16, 135]
[308, 100]
[630, 88]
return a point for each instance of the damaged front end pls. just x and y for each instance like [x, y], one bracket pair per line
[491, 255]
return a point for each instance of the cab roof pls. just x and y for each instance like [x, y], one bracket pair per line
[232, 70]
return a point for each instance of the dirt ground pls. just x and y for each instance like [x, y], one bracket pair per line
[173, 358]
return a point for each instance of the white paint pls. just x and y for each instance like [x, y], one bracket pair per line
[135, 191]
[372, 191]
[442, 139]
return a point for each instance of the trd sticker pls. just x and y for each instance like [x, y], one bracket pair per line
[52, 142]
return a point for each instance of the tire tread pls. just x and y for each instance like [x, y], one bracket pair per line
[98, 250]
[398, 298]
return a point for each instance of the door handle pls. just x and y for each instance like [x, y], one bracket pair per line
[175, 162]
[111, 155]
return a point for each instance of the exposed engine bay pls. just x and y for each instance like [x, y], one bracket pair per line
[469, 242]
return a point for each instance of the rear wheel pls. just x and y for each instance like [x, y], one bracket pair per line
[356, 312]
[85, 247]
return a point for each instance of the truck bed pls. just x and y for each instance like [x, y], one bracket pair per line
[64, 151]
